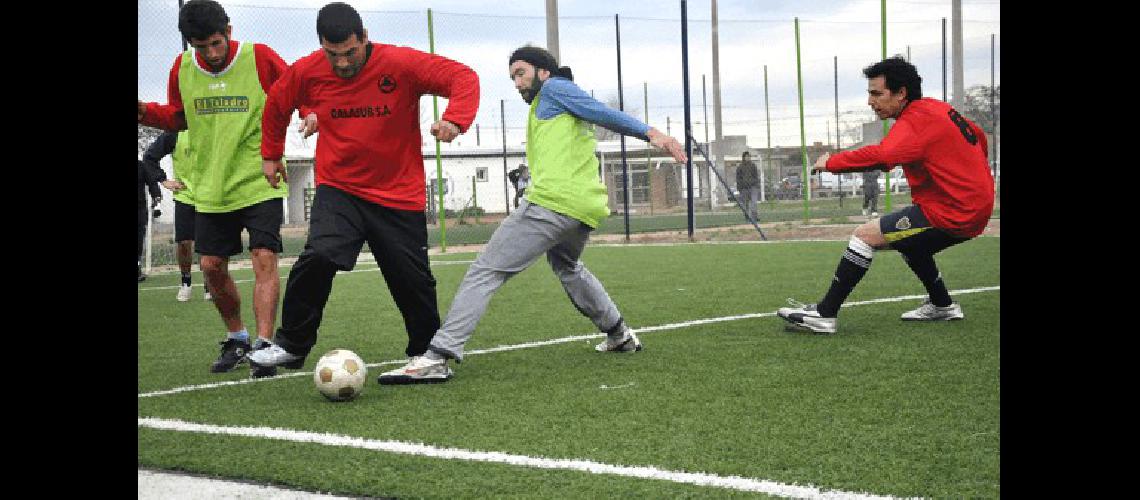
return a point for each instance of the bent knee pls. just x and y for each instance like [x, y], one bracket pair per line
[213, 265]
[870, 234]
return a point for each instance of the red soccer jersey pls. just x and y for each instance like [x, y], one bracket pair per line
[269, 67]
[369, 125]
[944, 156]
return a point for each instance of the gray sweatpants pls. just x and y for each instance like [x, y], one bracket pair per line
[521, 239]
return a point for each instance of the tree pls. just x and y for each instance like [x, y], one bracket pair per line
[976, 106]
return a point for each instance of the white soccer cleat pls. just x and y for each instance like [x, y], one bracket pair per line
[807, 317]
[206, 295]
[419, 370]
[930, 312]
[275, 355]
[626, 343]
[183, 293]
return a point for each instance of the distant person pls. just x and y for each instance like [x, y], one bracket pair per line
[217, 91]
[520, 179]
[748, 184]
[944, 157]
[148, 179]
[167, 144]
[566, 202]
[871, 193]
[369, 171]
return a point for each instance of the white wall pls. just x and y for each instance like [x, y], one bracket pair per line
[458, 173]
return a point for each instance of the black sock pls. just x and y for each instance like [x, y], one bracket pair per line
[927, 271]
[854, 264]
[186, 279]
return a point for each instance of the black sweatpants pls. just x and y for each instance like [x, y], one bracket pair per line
[144, 218]
[340, 224]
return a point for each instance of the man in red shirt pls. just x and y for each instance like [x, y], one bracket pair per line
[226, 167]
[943, 155]
[369, 172]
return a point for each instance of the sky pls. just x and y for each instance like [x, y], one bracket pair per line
[834, 36]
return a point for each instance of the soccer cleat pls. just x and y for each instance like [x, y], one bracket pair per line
[419, 370]
[233, 353]
[930, 312]
[807, 317]
[183, 293]
[864, 212]
[258, 371]
[206, 295]
[272, 355]
[874, 214]
[626, 343]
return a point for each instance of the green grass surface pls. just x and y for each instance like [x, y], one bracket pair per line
[883, 406]
[826, 210]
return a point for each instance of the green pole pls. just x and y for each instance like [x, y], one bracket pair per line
[803, 136]
[648, 150]
[440, 211]
[886, 125]
[474, 200]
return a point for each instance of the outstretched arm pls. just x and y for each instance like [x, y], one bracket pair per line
[567, 97]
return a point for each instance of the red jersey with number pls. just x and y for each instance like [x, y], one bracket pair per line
[944, 156]
[369, 142]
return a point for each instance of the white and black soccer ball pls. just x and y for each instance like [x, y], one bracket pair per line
[340, 375]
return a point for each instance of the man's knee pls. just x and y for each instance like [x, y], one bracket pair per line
[212, 265]
[322, 259]
[565, 270]
[870, 234]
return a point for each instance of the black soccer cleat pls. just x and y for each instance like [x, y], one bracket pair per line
[234, 352]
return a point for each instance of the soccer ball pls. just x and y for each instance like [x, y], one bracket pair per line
[339, 375]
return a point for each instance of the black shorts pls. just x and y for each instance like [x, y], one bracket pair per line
[219, 235]
[907, 230]
[184, 216]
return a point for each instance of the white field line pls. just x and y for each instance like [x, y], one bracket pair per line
[563, 340]
[580, 465]
[371, 269]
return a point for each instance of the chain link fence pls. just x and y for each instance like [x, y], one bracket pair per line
[759, 81]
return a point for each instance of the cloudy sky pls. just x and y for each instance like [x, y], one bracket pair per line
[752, 34]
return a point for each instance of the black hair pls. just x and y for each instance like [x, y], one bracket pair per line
[201, 19]
[898, 74]
[746, 153]
[336, 21]
[541, 59]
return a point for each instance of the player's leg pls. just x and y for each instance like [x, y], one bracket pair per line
[584, 289]
[520, 239]
[856, 260]
[184, 245]
[398, 241]
[217, 237]
[918, 242]
[263, 223]
[754, 200]
[336, 235]
[142, 237]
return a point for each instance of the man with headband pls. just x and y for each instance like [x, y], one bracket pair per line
[564, 202]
